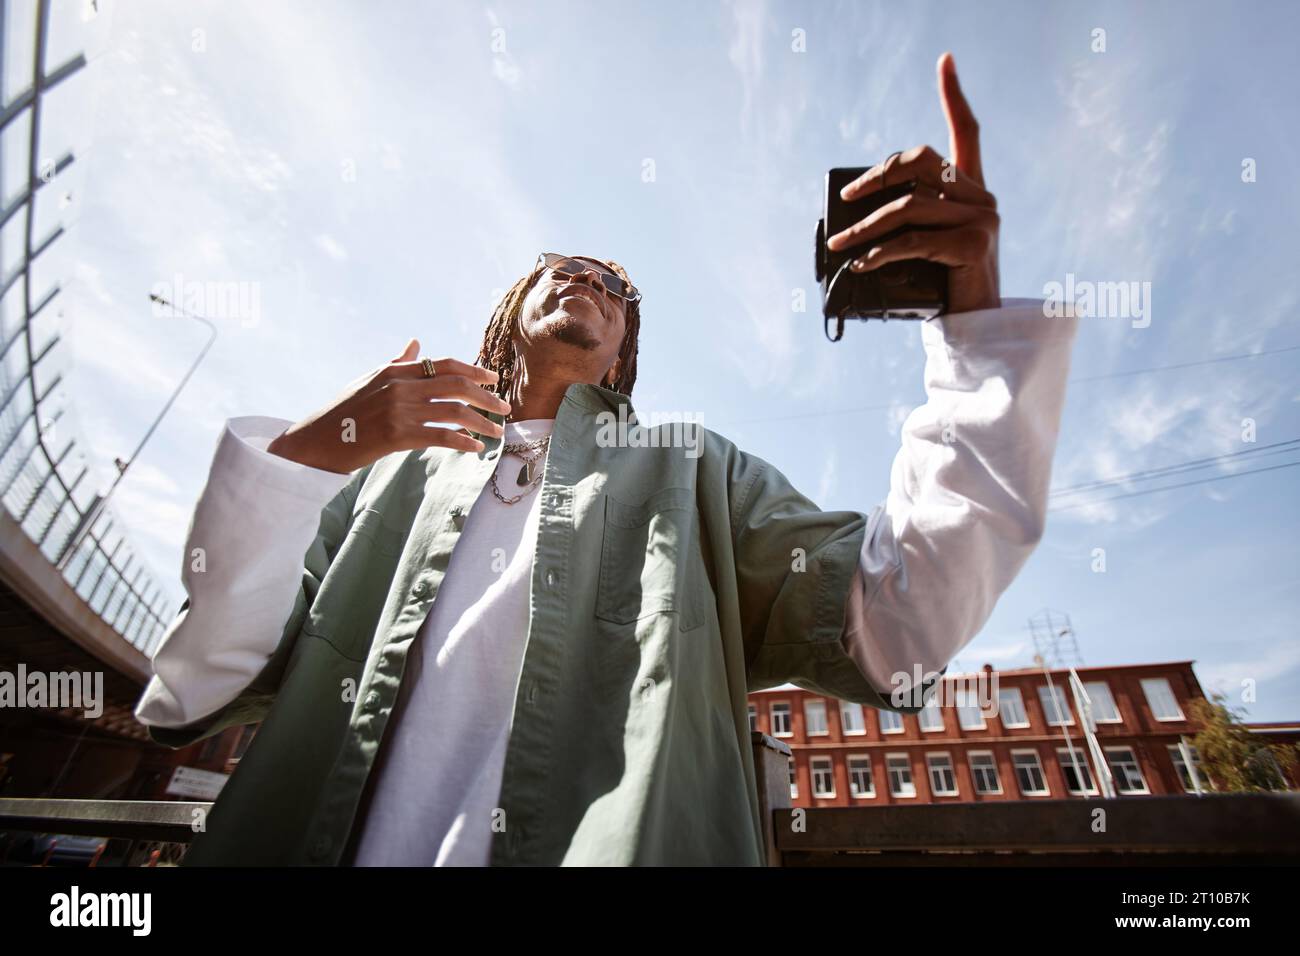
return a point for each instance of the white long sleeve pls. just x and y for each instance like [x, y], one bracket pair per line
[967, 501]
[243, 566]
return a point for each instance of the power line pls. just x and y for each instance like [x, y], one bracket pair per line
[1185, 484]
[1276, 448]
[1074, 381]
[1167, 368]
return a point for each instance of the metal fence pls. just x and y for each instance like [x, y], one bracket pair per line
[42, 484]
[1203, 830]
[1207, 830]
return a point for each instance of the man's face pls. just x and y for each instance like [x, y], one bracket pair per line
[577, 310]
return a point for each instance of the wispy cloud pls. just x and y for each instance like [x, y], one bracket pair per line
[331, 247]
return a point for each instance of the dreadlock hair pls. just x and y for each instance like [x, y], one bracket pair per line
[497, 351]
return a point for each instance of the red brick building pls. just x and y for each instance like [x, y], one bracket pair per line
[1014, 739]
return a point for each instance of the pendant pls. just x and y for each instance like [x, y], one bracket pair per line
[525, 473]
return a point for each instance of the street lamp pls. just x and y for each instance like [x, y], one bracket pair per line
[100, 502]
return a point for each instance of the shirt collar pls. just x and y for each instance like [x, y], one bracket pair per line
[597, 398]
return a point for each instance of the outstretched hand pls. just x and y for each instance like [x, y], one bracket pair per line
[957, 217]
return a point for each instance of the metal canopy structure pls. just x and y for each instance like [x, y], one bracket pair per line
[43, 489]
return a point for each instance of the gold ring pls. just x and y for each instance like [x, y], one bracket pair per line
[427, 365]
[884, 167]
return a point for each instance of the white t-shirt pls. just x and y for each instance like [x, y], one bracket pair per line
[438, 773]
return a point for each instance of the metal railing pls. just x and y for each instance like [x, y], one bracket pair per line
[1212, 829]
[1206, 829]
[142, 832]
[39, 484]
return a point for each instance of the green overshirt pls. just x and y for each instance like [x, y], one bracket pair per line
[667, 584]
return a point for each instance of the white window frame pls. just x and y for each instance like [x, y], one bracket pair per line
[1137, 764]
[1091, 687]
[794, 778]
[1066, 763]
[810, 706]
[847, 706]
[1151, 704]
[1038, 765]
[1046, 695]
[1180, 768]
[947, 765]
[967, 705]
[753, 717]
[911, 777]
[1020, 703]
[870, 792]
[901, 728]
[823, 765]
[993, 766]
[930, 708]
[789, 718]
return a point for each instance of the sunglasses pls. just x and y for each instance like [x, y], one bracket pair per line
[568, 266]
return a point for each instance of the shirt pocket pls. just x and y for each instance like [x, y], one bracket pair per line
[346, 610]
[647, 551]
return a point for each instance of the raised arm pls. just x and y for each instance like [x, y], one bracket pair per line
[276, 507]
[968, 490]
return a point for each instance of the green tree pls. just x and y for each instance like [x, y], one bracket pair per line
[1234, 758]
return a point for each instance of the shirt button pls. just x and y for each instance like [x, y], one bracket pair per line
[550, 579]
[456, 511]
[421, 587]
[532, 693]
[372, 700]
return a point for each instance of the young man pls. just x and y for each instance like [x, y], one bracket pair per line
[521, 643]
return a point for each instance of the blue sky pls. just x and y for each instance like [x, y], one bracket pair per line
[382, 171]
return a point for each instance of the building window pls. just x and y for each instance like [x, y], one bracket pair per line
[209, 748]
[943, 782]
[1104, 710]
[861, 783]
[1055, 706]
[984, 772]
[1029, 772]
[968, 711]
[245, 738]
[823, 777]
[900, 775]
[1125, 769]
[780, 715]
[753, 717]
[930, 717]
[1011, 707]
[891, 722]
[1184, 776]
[851, 718]
[1074, 765]
[1161, 699]
[814, 715]
[794, 786]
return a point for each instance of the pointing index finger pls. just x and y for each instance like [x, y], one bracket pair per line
[963, 128]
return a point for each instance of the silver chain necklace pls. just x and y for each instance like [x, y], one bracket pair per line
[528, 478]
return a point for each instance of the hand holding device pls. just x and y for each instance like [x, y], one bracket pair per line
[918, 210]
